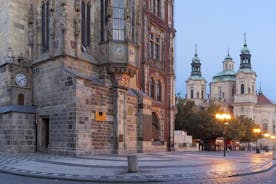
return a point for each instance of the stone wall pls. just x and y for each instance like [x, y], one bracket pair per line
[54, 91]
[17, 132]
[94, 137]
[5, 89]
[14, 26]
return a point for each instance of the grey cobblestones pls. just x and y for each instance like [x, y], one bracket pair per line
[160, 167]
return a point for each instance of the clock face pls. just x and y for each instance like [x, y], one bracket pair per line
[21, 80]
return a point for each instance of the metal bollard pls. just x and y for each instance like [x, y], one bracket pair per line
[132, 163]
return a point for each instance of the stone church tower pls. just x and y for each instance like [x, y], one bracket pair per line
[84, 77]
[245, 95]
[196, 84]
[222, 87]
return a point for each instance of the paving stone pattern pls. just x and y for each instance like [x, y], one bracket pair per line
[162, 167]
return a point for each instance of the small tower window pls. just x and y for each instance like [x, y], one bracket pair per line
[202, 94]
[197, 95]
[20, 99]
[45, 26]
[242, 88]
[85, 24]
[192, 93]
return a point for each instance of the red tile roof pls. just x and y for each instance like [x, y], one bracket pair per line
[263, 100]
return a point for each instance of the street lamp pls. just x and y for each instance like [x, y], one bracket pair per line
[257, 131]
[224, 118]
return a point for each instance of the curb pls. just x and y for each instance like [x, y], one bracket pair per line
[265, 168]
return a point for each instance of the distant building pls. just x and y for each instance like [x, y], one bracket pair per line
[235, 91]
[85, 77]
[196, 84]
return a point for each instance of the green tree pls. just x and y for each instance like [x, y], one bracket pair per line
[199, 122]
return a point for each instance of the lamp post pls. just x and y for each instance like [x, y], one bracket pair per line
[224, 118]
[257, 131]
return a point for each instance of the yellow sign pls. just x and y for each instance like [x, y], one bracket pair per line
[100, 116]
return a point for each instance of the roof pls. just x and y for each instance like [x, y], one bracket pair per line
[196, 77]
[263, 100]
[18, 108]
[246, 70]
[228, 75]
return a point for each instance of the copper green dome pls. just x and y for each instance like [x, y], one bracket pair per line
[228, 75]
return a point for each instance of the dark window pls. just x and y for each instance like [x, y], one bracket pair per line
[156, 7]
[69, 81]
[273, 129]
[242, 88]
[118, 20]
[159, 91]
[154, 46]
[45, 26]
[197, 95]
[192, 94]
[158, 13]
[151, 45]
[202, 94]
[20, 99]
[156, 129]
[85, 24]
[233, 91]
[152, 91]
[104, 19]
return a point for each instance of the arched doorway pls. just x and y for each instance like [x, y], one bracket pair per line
[156, 128]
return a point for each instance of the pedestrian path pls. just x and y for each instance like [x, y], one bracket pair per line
[166, 166]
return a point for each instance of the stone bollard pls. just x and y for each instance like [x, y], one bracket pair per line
[132, 163]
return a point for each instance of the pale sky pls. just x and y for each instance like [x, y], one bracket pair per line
[215, 25]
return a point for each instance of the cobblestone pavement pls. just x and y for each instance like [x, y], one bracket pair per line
[158, 167]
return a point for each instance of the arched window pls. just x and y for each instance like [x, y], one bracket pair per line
[155, 128]
[151, 87]
[159, 90]
[242, 88]
[192, 93]
[118, 20]
[273, 129]
[20, 99]
[249, 91]
[202, 94]
[85, 24]
[45, 19]
[197, 95]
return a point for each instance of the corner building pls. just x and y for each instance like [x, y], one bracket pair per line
[86, 77]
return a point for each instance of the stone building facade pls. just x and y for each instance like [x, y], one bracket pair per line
[85, 77]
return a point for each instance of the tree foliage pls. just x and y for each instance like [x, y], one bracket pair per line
[201, 123]
[198, 122]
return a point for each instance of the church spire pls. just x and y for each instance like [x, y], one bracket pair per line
[245, 56]
[260, 90]
[196, 71]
